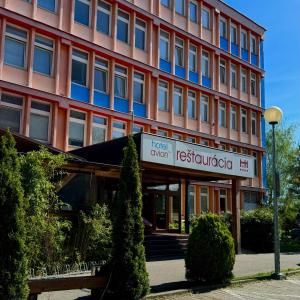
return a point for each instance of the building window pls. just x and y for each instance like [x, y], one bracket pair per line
[163, 92]
[77, 129]
[205, 18]
[140, 34]
[177, 99]
[99, 134]
[223, 29]
[222, 114]
[11, 112]
[123, 27]
[233, 77]
[244, 151]
[138, 90]
[82, 12]
[223, 71]
[193, 12]
[177, 136]
[253, 45]
[79, 67]
[233, 118]
[179, 61]
[222, 147]
[204, 142]
[100, 75]
[192, 200]
[180, 7]
[204, 199]
[191, 139]
[137, 128]
[204, 109]
[233, 149]
[223, 200]
[103, 17]
[192, 105]
[244, 41]
[253, 84]
[47, 4]
[244, 81]
[120, 82]
[205, 64]
[233, 34]
[119, 129]
[253, 123]
[40, 121]
[165, 3]
[43, 55]
[15, 47]
[193, 58]
[255, 164]
[164, 46]
[162, 133]
[244, 120]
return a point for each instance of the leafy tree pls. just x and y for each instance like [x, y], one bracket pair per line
[46, 229]
[294, 188]
[13, 261]
[129, 277]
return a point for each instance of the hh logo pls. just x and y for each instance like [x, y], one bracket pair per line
[244, 164]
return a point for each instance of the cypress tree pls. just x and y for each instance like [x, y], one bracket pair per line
[13, 262]
[129, 276]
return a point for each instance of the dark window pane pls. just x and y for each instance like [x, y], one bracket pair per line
[10, 118]
[82, 13]
[103, 22]
[14, 52]
[47, 4]
[139, 39]
[79, 72]
[100, 82]
[39, 127]
[122, 32]
[42, 61]
[138, 92]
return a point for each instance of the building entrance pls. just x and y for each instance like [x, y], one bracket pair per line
[162, 208]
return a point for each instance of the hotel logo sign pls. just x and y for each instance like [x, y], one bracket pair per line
[180, 154]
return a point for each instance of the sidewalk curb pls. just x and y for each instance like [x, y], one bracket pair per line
[216, 286]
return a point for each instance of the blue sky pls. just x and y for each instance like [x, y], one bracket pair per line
[282, 52]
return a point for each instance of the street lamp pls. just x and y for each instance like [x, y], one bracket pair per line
[273, 116]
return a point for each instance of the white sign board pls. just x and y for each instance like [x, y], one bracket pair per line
[169, 152]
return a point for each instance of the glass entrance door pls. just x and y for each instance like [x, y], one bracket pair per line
[161, 211]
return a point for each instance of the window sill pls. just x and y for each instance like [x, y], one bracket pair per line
[48, 10]
[43, 74]
[17, 67]
[82, 24]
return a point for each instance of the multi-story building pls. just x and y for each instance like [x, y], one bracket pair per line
[72, 73]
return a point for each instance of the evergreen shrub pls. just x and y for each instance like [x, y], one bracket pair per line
[210, 254]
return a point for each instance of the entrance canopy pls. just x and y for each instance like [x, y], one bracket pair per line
[173, 159]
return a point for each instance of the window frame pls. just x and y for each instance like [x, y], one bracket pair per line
[253, 44]
[82, 60]
[223, 66]
[116, 129]
[165, 89]
[193, 52]
[180, 95]
[223, 197]
[224, 33]
[253, 84]
[144, 29]
[244, 116]
[206, 195]
[205, 58]
[204, 101]
[233, 75]
[88, 2]
[179, 46]
[184, 8]
[78, 121]
[102, 68]
[254, 123]
[192, 99]
[244, 33]
[101, 9]
[41, 7]
[233, 33]
[233, 116]
[222, 114]
[244, 80]
[197, 11]
[124, 76]
[207, 12]
[167, 40]
[98, 125]
[125, 21]
[142, 81]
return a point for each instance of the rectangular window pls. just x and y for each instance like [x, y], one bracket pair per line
[11, 112]
[223, 200]
[223, 71]
[244, 81]
[193, 12]
[123, 27]
[177, 99]
[138, 88]
[205, 64]
[205, 18]
[193, 58]
[140, 34]
[180, 7]
[253, 84]
[99, 134]
[244, 42]
[192, 105]
[15, 47]
[77, 129]
[223, 29]
[204, 142]
[255, 164]
[103, 17]
[40, 121]
[165, 3]
[163, 92]
[120, 82]
[233, 77]
[222, 147]
[137, 128]
[253, 123]
[233, 149]
[204, 199]
[82, 12]
[222, 114]
[244, 120]
[47, 4]
[179, 46]
[253, 45]
[233, 34]
[162, 133]
[192, 200]
[101, 75]
[204, 108]
[164, 46]
[79, 67]
[177, 136]
[43, 55]
[191, 139]
[119, 129]
[233, 118]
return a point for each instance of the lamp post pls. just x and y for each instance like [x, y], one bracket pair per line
[273, 116]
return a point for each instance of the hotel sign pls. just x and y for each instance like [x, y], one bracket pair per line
[170, 152]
